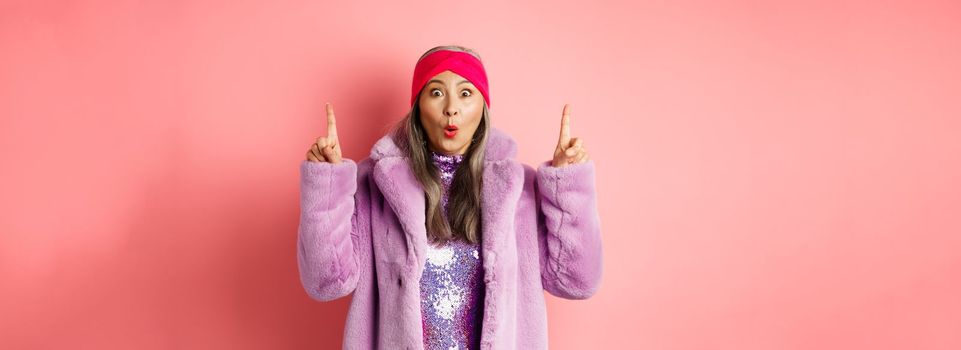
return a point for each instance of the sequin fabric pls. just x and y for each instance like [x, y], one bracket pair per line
[452, 286]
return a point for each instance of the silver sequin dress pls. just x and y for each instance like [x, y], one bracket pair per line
[452, 286]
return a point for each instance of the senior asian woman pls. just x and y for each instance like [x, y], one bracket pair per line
[442, 237]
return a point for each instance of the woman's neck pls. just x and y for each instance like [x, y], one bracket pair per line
[446, 163]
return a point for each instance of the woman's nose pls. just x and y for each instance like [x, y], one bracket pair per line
[451, 109]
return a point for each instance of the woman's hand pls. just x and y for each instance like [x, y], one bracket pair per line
[326, 149]
[569, 150]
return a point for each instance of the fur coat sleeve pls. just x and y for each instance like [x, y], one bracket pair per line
[569, 232]
[332, 225]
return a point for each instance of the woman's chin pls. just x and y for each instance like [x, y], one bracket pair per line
[450, 147]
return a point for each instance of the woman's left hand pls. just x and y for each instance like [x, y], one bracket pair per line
[569, 150]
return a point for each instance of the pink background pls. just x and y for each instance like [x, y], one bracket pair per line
[770, 175]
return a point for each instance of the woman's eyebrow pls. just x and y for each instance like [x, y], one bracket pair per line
[442, 83]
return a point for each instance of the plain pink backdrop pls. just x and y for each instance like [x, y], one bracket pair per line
[770, 175]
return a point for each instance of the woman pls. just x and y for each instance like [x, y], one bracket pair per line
[443, 237]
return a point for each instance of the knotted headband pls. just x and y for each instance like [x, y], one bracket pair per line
[462, 63]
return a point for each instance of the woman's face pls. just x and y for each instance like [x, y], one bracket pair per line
[449, 101]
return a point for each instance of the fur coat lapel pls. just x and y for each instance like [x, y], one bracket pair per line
[501, 190]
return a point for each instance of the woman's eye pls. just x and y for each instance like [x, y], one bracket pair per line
[432, 92]
[466, 93]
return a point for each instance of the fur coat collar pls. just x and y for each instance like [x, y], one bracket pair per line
[501, 190]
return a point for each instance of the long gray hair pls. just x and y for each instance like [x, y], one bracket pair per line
[464, 197]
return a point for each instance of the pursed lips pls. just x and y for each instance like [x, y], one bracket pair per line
[450, 131]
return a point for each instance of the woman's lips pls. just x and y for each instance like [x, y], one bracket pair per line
[450, 131]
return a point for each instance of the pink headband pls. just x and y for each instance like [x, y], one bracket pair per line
[462, 63]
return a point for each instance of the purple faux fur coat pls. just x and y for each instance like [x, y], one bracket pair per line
[362, 231]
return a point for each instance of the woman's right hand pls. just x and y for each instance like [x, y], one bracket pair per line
[326, 149]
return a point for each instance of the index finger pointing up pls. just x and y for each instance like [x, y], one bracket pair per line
[331, 122]
[565, 137]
